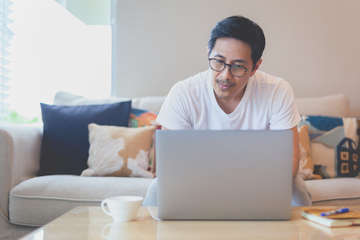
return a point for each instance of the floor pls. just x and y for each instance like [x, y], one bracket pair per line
[10, 231]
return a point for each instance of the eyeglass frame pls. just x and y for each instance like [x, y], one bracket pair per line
[227, 65]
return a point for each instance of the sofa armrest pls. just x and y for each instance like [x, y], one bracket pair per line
[19, 157]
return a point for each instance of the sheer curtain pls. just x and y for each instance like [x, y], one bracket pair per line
[5, 39]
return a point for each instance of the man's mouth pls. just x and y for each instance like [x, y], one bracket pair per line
[224, 85]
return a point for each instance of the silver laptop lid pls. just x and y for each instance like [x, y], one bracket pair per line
[224, 174]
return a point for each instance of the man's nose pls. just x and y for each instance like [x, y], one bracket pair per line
[226, 73]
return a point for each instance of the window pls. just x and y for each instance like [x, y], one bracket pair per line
[52, 50]
[5, 41]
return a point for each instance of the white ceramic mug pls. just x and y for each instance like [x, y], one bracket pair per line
[122, 208]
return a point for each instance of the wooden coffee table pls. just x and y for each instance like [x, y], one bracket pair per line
[92, 223]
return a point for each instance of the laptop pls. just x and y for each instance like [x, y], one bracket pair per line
[224, 174]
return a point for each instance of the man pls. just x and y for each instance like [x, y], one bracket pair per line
[233, 93]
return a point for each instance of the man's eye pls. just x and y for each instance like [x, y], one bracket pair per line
[235, 66]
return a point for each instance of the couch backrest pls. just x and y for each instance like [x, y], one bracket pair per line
[151, 104]
[332, 105]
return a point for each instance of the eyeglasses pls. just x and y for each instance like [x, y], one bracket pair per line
[236, 69]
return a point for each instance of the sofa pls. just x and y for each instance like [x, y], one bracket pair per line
[29, 200]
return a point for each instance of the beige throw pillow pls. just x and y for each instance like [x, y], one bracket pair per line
[119, 151]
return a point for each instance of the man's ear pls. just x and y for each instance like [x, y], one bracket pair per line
[257, 65]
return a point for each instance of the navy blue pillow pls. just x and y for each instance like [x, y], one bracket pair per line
[65, 143]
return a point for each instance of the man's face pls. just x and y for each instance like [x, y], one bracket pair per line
[231, 51]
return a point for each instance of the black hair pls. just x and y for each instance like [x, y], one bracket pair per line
[243, 29]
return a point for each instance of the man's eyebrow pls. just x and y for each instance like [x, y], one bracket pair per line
[240, 61]
[219, 55]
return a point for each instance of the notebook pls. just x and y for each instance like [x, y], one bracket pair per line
[350, 218]
[224, 174]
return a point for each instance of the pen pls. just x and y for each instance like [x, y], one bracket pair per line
[337, 211]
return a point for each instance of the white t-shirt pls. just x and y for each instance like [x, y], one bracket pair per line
[268, 103]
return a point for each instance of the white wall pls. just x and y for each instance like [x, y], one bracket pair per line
[314, 44]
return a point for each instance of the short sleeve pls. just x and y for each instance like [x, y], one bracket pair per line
[174, 113]
[284, 112]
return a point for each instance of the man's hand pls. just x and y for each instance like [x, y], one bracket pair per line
[296, 155]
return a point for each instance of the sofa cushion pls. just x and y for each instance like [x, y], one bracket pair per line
[150, 103]
[141, 118]
[119, 151]
[39, 200]
[334, 143]
[334, 189]
[332, 105]
[69, 99]
[65, 145]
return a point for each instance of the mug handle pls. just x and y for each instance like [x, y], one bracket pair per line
[105, 208]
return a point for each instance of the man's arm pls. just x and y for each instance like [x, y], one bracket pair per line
[296, 155]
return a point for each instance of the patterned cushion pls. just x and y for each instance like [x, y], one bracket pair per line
[334, 145]
[141, 118]
[119, 151]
